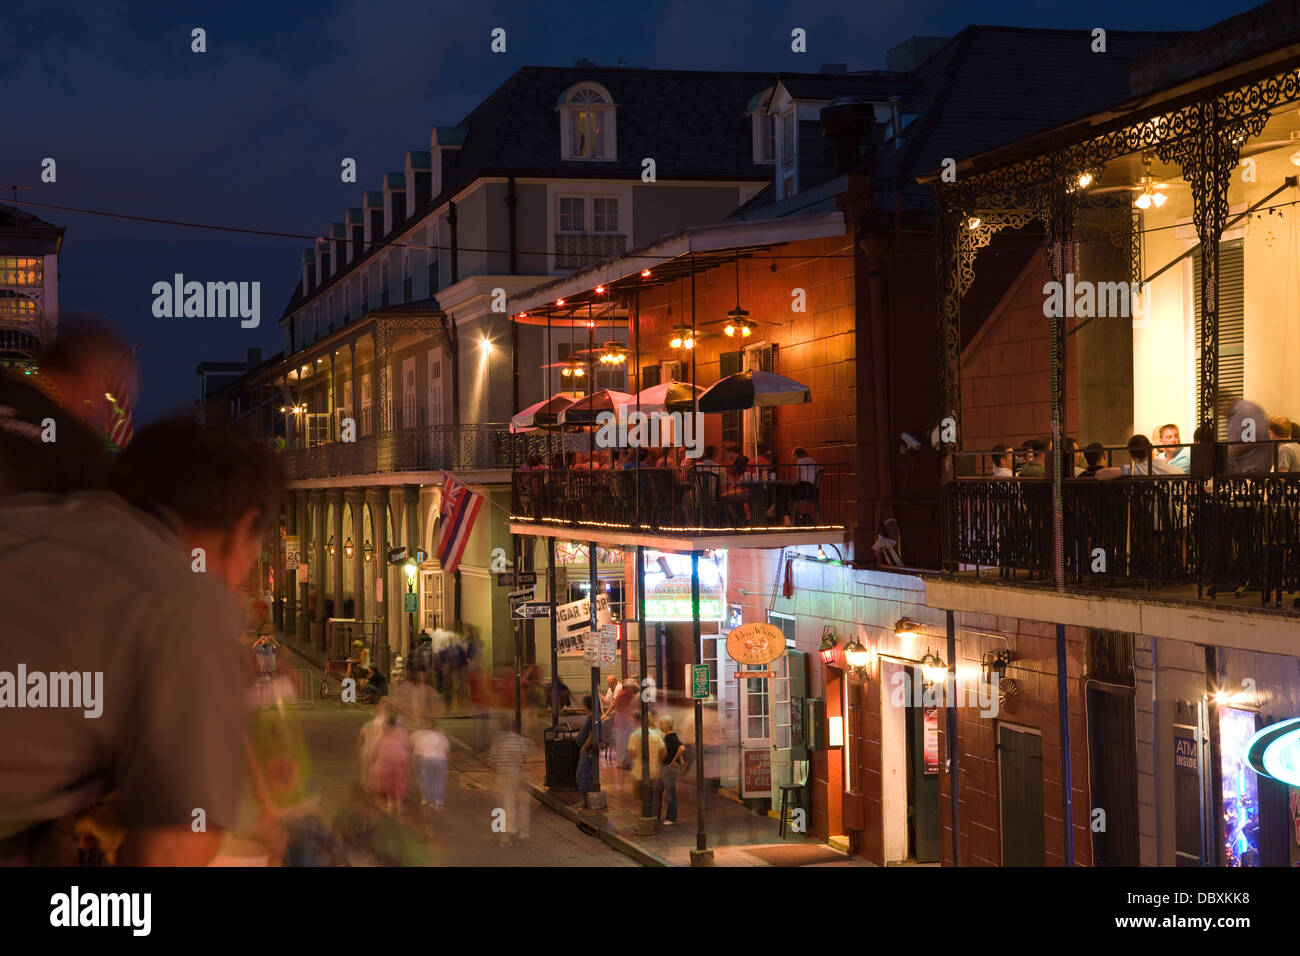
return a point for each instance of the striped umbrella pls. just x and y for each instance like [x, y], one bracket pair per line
[543, 414]
[753, 389]
[668, 397]
[586, 411]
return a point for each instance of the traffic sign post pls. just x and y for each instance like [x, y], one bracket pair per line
[698, 675]
[517, 579]
[531, 609]
[522, 596]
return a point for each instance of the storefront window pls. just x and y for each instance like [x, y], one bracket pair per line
[1240, 789]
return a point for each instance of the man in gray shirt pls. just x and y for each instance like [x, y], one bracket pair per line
[1248, 449]
[135, 593]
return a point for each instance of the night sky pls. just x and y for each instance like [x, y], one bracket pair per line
[252, 132]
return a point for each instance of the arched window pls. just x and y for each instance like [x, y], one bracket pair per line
[587, 124]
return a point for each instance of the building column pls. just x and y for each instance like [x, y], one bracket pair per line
[379, 514]
[317, 578]
[357, 500]
[336, 559]
[411, 518]
[277, 568]
[354, 410]
[289, 583]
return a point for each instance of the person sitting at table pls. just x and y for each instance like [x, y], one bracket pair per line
[762, 454]
[1180, 458]
[1288, 454]
[1093, 455]
[707, 459]
[730, 452]
[580, 462]
[1142, 462]
[1034, 466]
[1003, 459]
[808, 467]
[636, 458]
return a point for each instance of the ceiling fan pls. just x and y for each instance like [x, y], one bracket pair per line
[1269, 145]
[1148, 191]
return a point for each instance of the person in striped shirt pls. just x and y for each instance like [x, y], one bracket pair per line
[509, 752]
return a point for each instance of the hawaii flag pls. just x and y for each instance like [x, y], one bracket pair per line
[455, 521]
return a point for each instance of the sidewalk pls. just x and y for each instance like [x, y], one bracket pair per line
[737, 835]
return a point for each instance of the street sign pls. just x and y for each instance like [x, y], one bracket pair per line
[591, 649]
[304, 571]
[699, 675]
[410, 602]
[397, 555]
[379, 590]
[608, 645]
[519, 579]
[522, 595]
[421, 555]
[292, 551]
[532, 609]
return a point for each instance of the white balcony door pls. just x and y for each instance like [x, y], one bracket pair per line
[366, 426]
[408, 393]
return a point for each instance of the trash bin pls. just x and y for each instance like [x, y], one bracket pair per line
[561, 747]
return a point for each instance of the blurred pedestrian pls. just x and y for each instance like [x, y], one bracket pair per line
[390, 768]
[588, 749]
[430, 748]
[55, 421]
[671, 764]
[509, 752]
[160, 746]
[625, 718]
[656, 750]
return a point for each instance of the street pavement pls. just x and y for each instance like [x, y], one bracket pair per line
[461, 834]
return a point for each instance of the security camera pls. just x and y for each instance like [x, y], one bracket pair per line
[909, 442]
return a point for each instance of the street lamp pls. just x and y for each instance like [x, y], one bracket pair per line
[410, 568]
[856, 656]
[348, 548]
[369, 552]
[330, 545]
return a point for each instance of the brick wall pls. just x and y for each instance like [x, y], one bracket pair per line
[1006, 370]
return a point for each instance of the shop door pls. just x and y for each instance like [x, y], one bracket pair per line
[1020, 774]
[755, 735]
[1112, 774]
[430, 600]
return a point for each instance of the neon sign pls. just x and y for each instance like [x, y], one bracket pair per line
[1275, 751]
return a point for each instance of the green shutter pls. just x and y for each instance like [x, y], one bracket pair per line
[1232, 325]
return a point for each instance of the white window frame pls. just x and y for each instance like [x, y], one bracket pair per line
[603, 190]
[569, 110]
[435, 386]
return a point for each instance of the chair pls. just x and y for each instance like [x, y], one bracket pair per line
[805, 494]
[792, 792]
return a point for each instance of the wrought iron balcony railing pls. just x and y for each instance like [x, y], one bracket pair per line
[576, 250]
[1227, 533]
[478, 447]
[709, 499]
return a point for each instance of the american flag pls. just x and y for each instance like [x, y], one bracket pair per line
[460, 507]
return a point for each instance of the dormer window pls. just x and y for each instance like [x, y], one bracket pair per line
[587, 126]
[764, 128]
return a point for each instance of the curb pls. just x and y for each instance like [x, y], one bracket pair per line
[619, 843]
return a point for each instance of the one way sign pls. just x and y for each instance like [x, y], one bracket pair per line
[532, 609]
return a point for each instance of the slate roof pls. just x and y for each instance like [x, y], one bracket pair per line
[990, 86]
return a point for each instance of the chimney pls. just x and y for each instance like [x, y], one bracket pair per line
[419, 180]
[355, 222]
[846, 123]
[373, 204]
[394, 201]
[308, 272]
[912, 52]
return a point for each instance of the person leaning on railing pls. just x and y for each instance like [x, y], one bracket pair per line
[1288, 453]
[1142, 462]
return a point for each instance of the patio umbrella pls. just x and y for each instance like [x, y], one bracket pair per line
[585, 411]
[544, 414]
[668, 397]
[753, 389]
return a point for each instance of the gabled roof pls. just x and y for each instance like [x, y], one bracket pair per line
[21, 231]
[872, 85]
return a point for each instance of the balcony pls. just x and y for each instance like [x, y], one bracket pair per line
[420, 448]
[1182, 536]
[578, 250]
[779, 502]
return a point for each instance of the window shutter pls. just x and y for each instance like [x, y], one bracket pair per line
[732, 422]
[1232, 326]
[649, 376]
[767, 414]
